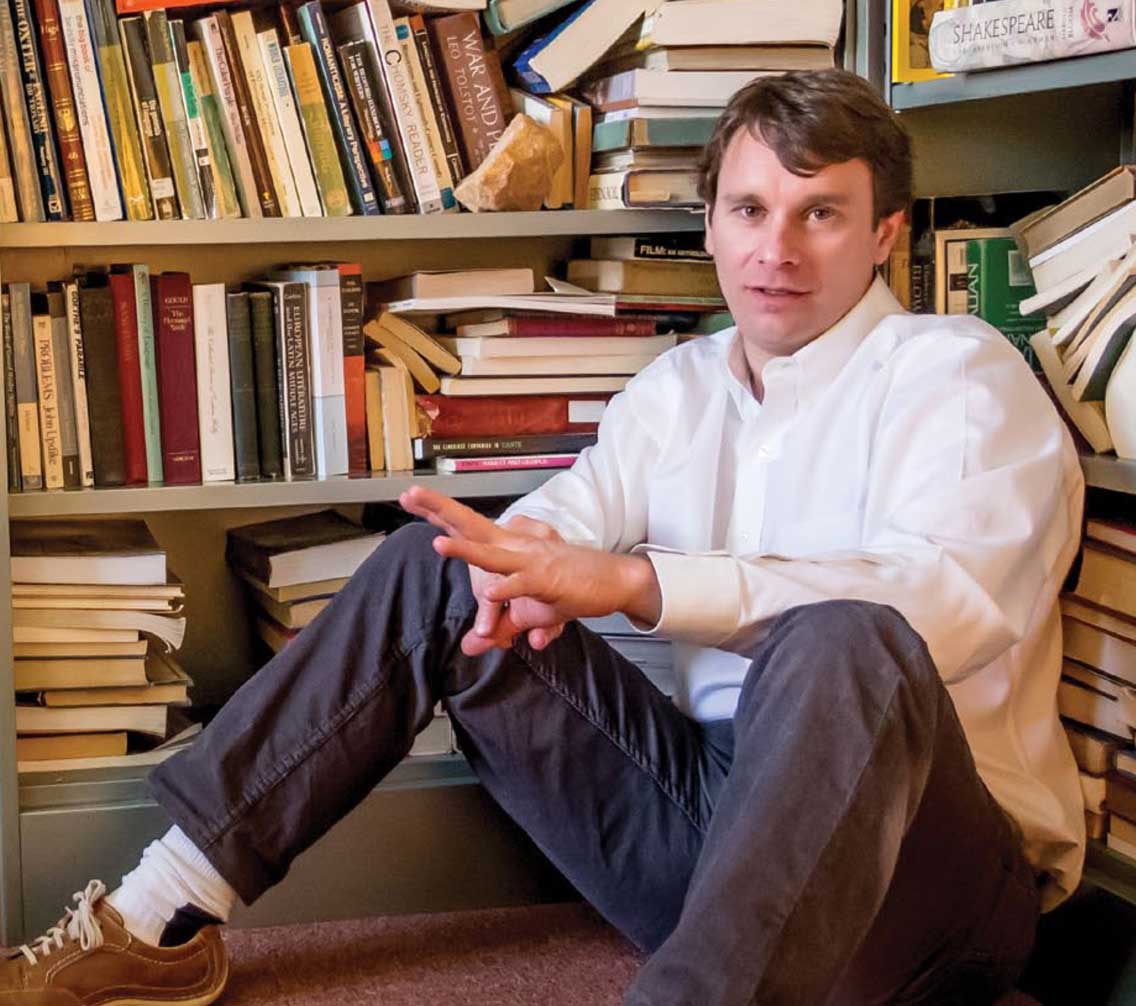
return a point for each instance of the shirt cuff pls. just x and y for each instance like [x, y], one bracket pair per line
[700, 596]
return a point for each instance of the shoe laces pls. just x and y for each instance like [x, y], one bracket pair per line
[79, 923]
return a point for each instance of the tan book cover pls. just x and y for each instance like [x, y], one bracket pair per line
[89, 745]
[373, 389]
[317, 130]
[37, 674]
[390, 347]
[695, 279]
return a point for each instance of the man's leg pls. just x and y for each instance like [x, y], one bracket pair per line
[854, 857]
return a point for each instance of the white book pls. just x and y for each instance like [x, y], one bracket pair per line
[1108, 238]
[49, 432]
[411, 128]
[280, 90]
[65, 393]
[507, 345]
[264, 109]
[744, 22]
[60, 634]
[214, 397]
[541, 366]
[421, 92]
[208, 32]
[79, 383]
[77, 719]
[89, 110]
[1088, 417]
[325, 347]
[691, 88]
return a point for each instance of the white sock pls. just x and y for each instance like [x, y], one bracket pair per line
[173, 883]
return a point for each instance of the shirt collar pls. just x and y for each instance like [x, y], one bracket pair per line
[817, 364]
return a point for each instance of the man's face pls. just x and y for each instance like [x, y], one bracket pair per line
[794, 254]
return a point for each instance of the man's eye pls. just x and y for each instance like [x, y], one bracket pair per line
[749, 211]
[822, 213]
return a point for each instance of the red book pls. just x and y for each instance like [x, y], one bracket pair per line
[172, 297]
[504, 415]
[351, 310]
[541, 325]
[125, 305]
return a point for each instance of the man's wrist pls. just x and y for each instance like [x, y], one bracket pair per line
[643, 598]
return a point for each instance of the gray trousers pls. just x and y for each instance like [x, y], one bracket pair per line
[831, 844]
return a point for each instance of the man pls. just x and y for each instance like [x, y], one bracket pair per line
[852, 521]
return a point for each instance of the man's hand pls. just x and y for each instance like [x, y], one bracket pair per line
[561, 581]
[495, 625]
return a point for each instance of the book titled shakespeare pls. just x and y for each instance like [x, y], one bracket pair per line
[990, 35]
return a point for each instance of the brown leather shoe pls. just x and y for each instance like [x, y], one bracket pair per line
[89, 959]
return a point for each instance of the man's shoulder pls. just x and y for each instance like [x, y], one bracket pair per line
[902, 339]
[686, 362]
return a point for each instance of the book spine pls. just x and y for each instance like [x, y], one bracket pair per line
[421, 94]
[171, 102]
[264, 115]
[537, 327]
[30, 197]
[209, 35]
[351, 308]
[214, 401]
[49, 433]
[64, 390]
[288, 116]
[317, 129]
[606, 190]
[363, 84]
[177, 377]
[373, 391]
[120, 111]
[200, 158]
[108, 454]
[9, 207]
[507, 415]
[159, 171]
[79, 383]
[27, 397]
[505, 463]
[148, 372]
[437, 99]
[411, 129]
[977, 38]
[294, 376]
[74, 163]
[429, 448]
[129, 375]
[313, 27]
[35, 95]
[89, 110]
[228, 203]
[325, 349]
[262, 317]
[258, 157]
[242, 386]
[11, 413]
[465, 62]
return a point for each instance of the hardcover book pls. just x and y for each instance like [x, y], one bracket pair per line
[172, 297]
[11, 413]
[228, 202]
[242, 384]
[125, 303]
[64, 386]
[148, 370]
[317, 130]
[24, 375]
[214, 401]
[79, 383]
[49, 417]
[404, 32]
[186, 95]
[96, 311]
[268, 400]
[18, 126]
[117, 551]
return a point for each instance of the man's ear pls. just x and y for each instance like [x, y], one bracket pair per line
[708, 240]
[887, 230]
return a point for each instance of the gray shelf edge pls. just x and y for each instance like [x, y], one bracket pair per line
[1110, 871]
[44, 792]
[1080, 71]
[227, 495]
[1103, 471]
[441, 227]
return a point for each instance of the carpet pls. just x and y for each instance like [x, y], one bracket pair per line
[542, 955]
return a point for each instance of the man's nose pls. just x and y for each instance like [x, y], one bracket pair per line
[777, 243]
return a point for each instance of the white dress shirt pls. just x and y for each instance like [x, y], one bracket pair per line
[910, 460]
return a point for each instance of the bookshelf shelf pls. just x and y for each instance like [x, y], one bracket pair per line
[1082, 71]
[473, 226]
[1103, 471]
[1111, 871]
[225, 495]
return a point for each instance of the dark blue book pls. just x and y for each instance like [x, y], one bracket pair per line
[39, 113]
[313, 28]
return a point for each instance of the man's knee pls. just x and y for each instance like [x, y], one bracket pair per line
[846, 638]
[409, 545]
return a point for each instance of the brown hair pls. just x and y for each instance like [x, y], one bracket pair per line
[811, 119]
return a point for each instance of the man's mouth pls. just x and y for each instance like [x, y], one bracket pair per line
[776, 291]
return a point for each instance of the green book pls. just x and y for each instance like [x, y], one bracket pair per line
[998, 280]
[317, 128]
[685, 131]
[225, 186]
[120, 111]
[148, 365]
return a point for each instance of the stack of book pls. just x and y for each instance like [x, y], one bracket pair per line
[95, 619]
[124, 378]
[1097, 693]
[293, 568]
[524, 375]
[658, 91]
[1083, 260]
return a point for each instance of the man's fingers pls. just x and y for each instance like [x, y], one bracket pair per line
[487, 614]
[487, 557]
[533, 528]
[510, 587]
[449, 515]
[544, 636]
